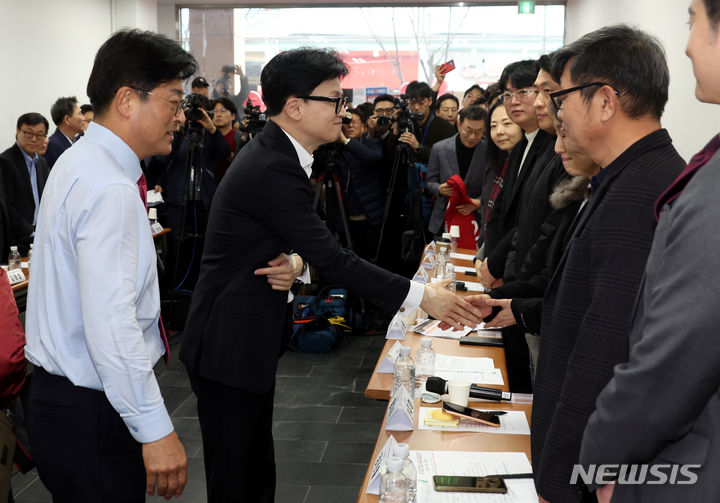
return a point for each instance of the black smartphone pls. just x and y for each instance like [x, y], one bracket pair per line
[471, 414]
[471, 340]
[453, 483]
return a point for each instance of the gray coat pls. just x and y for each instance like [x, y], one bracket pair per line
[442, 165]
[663, 405]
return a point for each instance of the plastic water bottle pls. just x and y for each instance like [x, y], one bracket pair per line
[30, 256]
[403, 452]
[394, 484]
[450, 274]
[442, 259]
[404, 372]
[14, 261]
[425, 358]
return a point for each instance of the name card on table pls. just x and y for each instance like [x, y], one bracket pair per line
[431, 248]
[401, 412]
[156, 228]
[16, 276]
[373, 486]
[397, 329]
[421, 276]
[388, 363]
[429, 262]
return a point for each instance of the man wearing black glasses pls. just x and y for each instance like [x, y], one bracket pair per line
[613, 89]
[237, 324]
[24, 174]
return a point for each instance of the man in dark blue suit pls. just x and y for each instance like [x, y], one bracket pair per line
[24, 175]
[69, 120]
[236, 328]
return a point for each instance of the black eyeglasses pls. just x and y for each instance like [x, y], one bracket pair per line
[557, 96]
[340, 101]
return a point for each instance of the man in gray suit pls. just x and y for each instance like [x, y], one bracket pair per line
[464, 155]
[662, 407]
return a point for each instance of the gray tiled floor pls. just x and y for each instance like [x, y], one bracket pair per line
[324, 427]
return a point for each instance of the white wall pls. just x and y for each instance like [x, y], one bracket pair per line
[690, 123]
[47, 48]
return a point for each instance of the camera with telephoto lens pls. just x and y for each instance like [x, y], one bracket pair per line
[405, 118]
[193, 105]
[255, 119]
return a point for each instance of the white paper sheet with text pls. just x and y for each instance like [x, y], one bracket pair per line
[429, 463]
[512, 423]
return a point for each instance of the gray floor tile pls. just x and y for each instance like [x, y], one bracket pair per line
[321, 474]
[371, 414]
[327, 494]
[327, 431]
[290, 494]
[348, 452]
[299, 451]
[316, 413]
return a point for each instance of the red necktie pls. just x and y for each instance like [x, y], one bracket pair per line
[698, 161]
[142, 187]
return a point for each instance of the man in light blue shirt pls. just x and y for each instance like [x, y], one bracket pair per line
[97, 422]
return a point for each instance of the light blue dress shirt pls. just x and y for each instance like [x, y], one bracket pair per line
[93, 301]
[32, 171]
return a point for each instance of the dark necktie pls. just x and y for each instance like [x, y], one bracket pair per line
[698, 161]
[142, 187]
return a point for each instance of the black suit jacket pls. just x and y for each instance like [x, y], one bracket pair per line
[263, 206]
[57, 144]
[20, 201]
[506, 210]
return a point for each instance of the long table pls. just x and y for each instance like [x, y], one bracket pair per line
[379, 388]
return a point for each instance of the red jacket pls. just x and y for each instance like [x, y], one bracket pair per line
[12, 344]
[469, 227]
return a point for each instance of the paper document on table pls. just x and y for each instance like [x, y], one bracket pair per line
[461, 256]
[512, 423]
[431, 328]
[154, 198]
[473, 464]
[488, 332]
[493, 376]
[463, 269]
[387, 364]
[471, 286]
[463, 363]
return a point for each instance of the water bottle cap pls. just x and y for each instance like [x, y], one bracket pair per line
[401, 450]
[31, 245]
[13, 248]
[404, 350]
[394, 464]
[426, 342]
[447, 236]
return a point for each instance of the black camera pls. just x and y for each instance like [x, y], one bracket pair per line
[384, 121]
[193, 104]
[406, 119]
[227, 69]
[255, 119]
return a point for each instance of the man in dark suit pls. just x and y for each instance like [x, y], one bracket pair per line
[236, 327]
[527, 161]
[24, 175]
[661, 407]
[463, 155]
[68, 118]
[614, 86]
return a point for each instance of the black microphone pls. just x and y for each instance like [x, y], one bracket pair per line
[439, 385]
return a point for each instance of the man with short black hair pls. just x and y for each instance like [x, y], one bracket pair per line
[613, 89]
[661, 407]
[471, 95]
[236, 328]
[427, 130]
[463, 155]
[24, 174]
[88, 115]
[66, 115]
[200, 86]
[96, 420]
[446, 107]
[224, 113]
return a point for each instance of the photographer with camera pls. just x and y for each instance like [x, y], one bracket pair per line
[358, 168]
[188, 174]
[224, 84]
